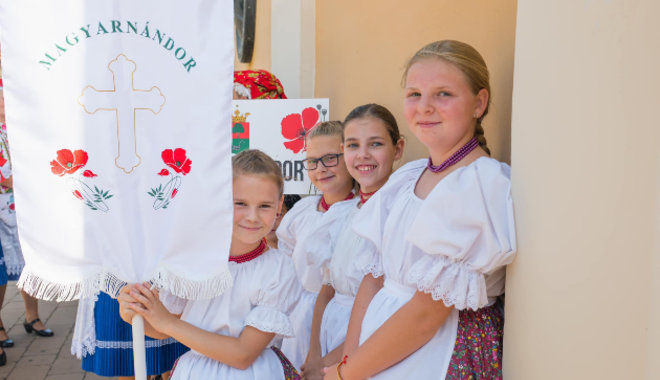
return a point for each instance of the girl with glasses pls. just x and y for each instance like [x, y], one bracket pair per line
[327, 171]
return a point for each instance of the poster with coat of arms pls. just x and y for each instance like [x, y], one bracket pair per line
[279, 127]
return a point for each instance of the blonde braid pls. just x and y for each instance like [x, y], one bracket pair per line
[481, 137]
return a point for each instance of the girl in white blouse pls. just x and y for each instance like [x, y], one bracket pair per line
[327, 171]
[371, 144]
[444, 229]
[229, 335]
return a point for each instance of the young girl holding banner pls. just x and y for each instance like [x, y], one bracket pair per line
[229, 335]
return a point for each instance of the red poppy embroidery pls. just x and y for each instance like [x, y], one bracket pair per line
[68, 162]
[296, 126]
[177, 160]
[3, 161]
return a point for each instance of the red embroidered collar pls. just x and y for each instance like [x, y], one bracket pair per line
[250, 255]
[325, 206]
[364, 197]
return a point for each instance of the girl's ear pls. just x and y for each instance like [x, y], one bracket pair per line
[398, 149]
[341, 147]
[482, 103]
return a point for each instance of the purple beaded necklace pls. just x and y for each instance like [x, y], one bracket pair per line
[459, 155]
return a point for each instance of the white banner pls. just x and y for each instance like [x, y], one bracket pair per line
[279, 128]
[116, 115]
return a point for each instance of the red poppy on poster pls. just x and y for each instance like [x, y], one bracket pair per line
[296, 126]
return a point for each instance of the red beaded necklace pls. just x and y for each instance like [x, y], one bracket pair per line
[325, 206]
[364, 197]
[250, 255]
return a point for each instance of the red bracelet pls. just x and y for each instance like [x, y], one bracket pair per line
[341, 363]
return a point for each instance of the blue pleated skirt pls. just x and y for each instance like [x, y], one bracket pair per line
[3, 268]
[114, 346]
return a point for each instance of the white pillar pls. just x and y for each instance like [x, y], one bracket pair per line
[293, 46]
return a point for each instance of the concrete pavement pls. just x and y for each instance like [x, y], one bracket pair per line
[38, 358]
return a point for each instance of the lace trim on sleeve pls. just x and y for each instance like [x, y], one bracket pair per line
[452, 282]
[269, 319]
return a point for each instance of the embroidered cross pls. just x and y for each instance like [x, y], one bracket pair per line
[125, 100]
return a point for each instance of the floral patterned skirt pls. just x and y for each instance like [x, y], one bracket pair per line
[290, 372]
[478, 348]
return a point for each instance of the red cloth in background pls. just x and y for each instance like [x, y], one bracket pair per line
[261, 84]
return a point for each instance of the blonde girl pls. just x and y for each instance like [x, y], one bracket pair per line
[229, 335]
[444, 229]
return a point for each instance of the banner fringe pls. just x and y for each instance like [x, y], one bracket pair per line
[109, 283]
[187, 289]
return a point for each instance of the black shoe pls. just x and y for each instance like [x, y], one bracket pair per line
[29, 327]
[7, 342]
[3, 358]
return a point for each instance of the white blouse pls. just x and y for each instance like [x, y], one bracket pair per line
[338, 250]
[295, 227]
[454, 244]
[262, 296]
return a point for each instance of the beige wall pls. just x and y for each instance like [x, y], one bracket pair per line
[261, 56]
[362, 47]
[583, 296]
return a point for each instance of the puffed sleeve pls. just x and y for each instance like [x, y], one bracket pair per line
[277, 294]
[369, 222]
[369, 260]
[319, 249]
[466, 229]
[287, 231]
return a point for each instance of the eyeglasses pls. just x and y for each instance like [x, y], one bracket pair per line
[328, 161]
